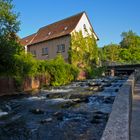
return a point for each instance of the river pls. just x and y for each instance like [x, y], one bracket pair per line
[77, 111]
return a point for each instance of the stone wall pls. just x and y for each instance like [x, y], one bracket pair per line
[82, 75]
[8, 85]
[118, 125]
[31, 83]
[35, 82]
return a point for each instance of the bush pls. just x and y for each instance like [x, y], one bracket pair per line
[61, 73]
[24, 66]
[57, 71]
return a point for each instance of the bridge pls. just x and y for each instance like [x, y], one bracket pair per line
[122, 69]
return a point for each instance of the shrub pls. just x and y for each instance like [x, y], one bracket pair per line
[56, 71]
[61, 73]
[24, 66]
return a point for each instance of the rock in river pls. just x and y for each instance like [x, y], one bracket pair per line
[58, 115]
[37, 111]
[3, 114]
[46, 120]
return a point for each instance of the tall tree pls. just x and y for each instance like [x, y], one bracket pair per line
[127, 52]
[110, 53]
[9, 46]
[130, 40]
[130, 47]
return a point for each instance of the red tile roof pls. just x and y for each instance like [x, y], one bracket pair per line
[55, 30]
[27, 40]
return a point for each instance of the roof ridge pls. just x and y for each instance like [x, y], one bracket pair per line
[33, 38]
[62, 20]
[29, 35]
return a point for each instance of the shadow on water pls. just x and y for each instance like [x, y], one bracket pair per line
[76, 111]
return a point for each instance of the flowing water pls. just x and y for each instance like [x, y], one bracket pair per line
[77, 111]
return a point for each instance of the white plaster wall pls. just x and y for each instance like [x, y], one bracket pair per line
[80, 26]
[25, 48]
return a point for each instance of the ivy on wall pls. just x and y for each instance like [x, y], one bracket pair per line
[84, 50]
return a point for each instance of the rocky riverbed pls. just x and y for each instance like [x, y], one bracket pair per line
[77, 111]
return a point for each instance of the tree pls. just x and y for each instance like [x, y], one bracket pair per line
[130, 47]
[110, 53]
[9, 25]
[9, 46]
[127, 52]
[130, 40]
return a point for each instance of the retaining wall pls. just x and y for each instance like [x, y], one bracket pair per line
[8, 85]
[118, 125]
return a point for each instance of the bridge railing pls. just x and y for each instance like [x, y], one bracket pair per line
[123, 65]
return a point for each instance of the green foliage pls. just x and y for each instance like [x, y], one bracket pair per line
[110, 53]
[130, 48]
[130, 55]
[57, 70]
[25, 65]
[9, 45]
[7, 51]
[8, 20]
[130, 40]
[61, 73]
[127, 52]
[84, 51]
[95, 72]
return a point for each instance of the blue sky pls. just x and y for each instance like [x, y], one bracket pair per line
[108, 17]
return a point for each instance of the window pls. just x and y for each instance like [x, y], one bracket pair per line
[45, 51]
[33, 53]
[63, 48]
[60, 48]
[84, 26]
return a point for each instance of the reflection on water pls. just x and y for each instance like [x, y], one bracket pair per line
[76, 111]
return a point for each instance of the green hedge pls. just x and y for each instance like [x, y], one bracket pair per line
[61, 72]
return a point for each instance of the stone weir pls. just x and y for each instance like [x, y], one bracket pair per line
[118, 125]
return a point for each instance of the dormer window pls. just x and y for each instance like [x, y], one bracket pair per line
[49, 33]
[65, 28]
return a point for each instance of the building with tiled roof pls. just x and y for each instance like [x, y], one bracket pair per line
[55, 38]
